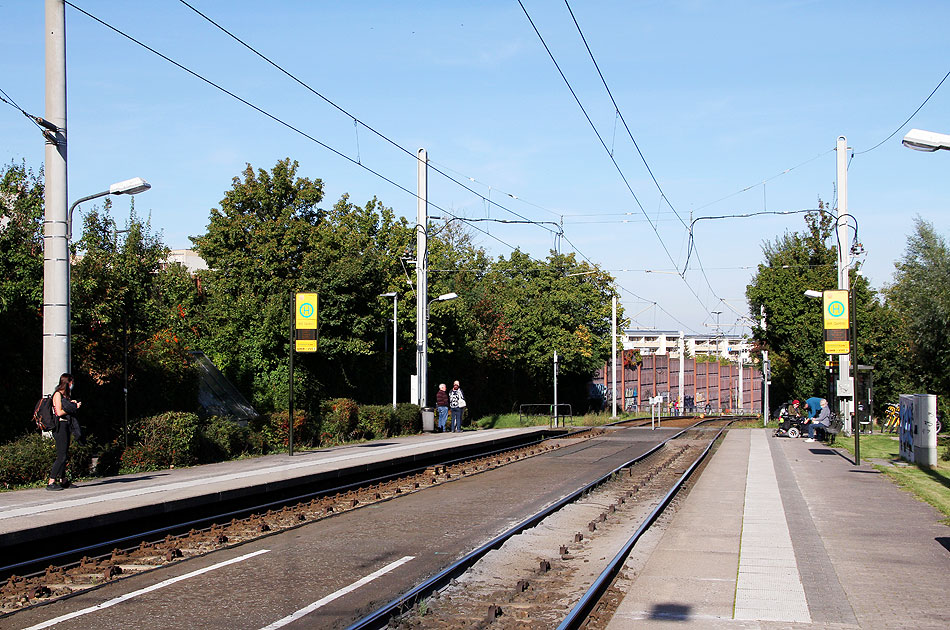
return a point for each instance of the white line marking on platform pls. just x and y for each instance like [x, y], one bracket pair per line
[13, 511]
[769, 586]
[143, 591]
[320, 603]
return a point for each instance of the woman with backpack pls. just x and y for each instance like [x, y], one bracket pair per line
[63, 408]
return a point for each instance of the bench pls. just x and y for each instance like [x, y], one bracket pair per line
[833, 430]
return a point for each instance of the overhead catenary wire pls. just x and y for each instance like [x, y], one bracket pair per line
[613, 160]
[356, 121]
[278, 120]
[909, 118]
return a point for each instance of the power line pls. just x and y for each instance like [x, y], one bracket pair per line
[909, 118]
[33, 119]
[279, 120]
[356, 121]
[611, 156]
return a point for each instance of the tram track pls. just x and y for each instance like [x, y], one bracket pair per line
[41, 580]
[437, 528]
[522, 578]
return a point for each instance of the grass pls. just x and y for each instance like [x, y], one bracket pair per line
[927, 484]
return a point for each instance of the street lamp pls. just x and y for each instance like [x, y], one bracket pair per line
[422, 348]
[127, 187]
[442, 298]
[921, 140]
[395, 297]
[56, 271]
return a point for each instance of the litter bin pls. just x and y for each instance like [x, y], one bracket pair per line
[428, 419]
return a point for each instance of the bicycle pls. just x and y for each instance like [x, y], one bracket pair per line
[892, 419]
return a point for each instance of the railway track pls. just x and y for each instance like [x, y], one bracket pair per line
[41, 580]
[527, 576]
[444, 524]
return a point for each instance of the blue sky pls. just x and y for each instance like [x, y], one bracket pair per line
[720, 97]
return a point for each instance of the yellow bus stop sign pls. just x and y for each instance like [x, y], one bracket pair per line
[305, 321]
[837, 322]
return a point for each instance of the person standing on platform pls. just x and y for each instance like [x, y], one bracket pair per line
[814, 406]
[63, 408]
[456, 405]
[442, 406]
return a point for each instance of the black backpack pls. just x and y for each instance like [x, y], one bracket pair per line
[43, 414]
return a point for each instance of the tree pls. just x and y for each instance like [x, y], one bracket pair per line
[794, 263]
[920, 295]
[269, 240]
[21, 296]
[526, 310]
[120, 325]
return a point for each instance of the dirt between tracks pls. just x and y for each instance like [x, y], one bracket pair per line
[535, 578]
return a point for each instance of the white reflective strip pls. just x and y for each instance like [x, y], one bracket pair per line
[280, 623]
[15, 511]
[143, 591]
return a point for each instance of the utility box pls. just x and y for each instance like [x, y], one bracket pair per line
[918, 429]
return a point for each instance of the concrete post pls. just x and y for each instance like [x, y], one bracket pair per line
[56, 350]
[845, 384]
[422, 284]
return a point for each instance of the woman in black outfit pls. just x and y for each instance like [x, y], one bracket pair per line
[63, 407]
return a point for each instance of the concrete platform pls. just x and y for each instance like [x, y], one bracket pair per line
[781, 533]
[31, 515]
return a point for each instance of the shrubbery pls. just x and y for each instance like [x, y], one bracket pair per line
[274, 431]
[162, 441]
[30, 458]
[408, 419]
[339, 417]
[182, 439]
[375, 421]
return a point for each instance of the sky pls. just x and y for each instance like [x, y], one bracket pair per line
[735, 108]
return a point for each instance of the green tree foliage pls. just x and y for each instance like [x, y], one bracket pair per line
[921, 297]
[794, 263]
[126, 312]
[21, 296]
[269, 240]
[524, 310]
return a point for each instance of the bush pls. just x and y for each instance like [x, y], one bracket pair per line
[339, 417]
[162, 441]
[407, 419]
[274, 429]
[30, 458]
[26, 460]
[374, 421]
[223, 439]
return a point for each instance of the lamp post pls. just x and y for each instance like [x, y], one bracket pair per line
[930, 141]
[51, 354]
[395, 297]
[423, 366]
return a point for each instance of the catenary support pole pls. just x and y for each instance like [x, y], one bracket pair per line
[56, 350]
[680, 398]
[422, 285]
[845, 384]
[613, 355]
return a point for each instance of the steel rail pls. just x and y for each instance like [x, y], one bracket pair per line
[581, 611]
[381, 617]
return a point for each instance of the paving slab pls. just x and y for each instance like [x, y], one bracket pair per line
[801, 538]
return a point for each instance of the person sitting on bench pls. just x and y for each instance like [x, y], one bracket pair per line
[823, 420]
